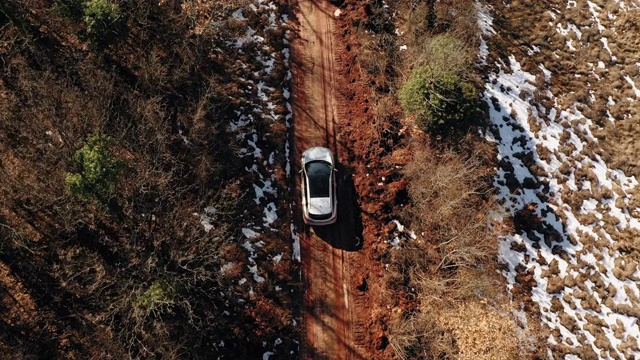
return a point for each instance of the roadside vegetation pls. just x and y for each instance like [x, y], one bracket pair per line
[114, 143]
[437, 92]
[449, 299]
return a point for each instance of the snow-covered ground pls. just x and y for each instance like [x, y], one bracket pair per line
[575, 215]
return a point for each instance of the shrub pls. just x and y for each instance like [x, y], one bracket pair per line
[158, 298]
[97, 170]
[447, 53]
[438, 98]
[419, 336]
[104, 21]
[437, 92]
[451, 263]
[451, 203]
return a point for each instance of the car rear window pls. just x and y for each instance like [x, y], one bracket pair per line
[318, 173]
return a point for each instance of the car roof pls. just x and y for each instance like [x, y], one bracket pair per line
[319, 177]
[317, 153]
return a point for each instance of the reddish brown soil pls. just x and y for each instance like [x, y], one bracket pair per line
[343, 307]
[328, 322]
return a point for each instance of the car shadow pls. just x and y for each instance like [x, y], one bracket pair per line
[346, 232]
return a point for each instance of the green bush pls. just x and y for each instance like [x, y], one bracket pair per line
[436, 91]
[104, 20]
[445, 52]
[159, 297]
[97, 170]
[438, 98]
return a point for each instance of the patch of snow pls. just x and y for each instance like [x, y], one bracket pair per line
[249, 234]
[485, 20]
[296, 243]
[399, 226]
[269, 214]
[260, 191]
[206, 220]
[605, 43]
[238, 15]
[400, 234]
[254, 270]
[569, 28]
[596, 16]
[636, 91]
[287, 168]
[484, 52]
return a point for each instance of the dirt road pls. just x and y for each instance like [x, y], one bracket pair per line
[328, 303]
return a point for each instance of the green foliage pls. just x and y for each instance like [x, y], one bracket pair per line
[436, 91]
[104, 20]
[97, 170]
[159, 297]
[438, 98]
[446, 53]
[71, 8]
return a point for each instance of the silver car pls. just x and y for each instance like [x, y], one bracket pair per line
[319, 203]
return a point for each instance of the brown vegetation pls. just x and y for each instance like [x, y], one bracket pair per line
[452, 262]
[137, 276]
[438, 183]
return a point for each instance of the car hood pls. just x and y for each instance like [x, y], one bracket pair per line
[320, 206]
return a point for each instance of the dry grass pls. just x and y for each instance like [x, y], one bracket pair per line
[420, 337]
[450, 202]
[460, 303]
[531, 25]
[467, 317]
[480, 331]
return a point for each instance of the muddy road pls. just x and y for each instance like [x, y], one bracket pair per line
[329, 320]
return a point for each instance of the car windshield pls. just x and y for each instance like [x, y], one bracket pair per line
[319, 173]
